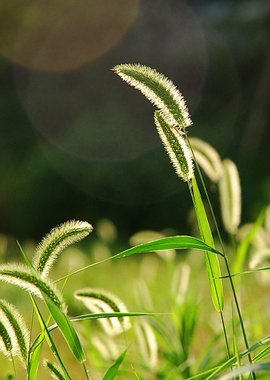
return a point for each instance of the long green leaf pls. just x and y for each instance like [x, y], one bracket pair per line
[262, 354]
[113, 370]
[35, 351]
[172, 242]
[67, 330]
[92, 316]
[48, 337]
[35, 358]
[212, 262]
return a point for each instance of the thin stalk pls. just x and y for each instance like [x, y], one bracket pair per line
[83, 268]
[225, 259]
[30, 338]
[238, 312]
[14, 366]
[86, 371]
[225, 335]
[51, 342]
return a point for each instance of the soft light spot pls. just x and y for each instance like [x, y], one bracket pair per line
[63, 34]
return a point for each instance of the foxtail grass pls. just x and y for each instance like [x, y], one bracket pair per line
[230, 196]
[17, 330]
[99, 300]
[159, 90]
[148, 81]
[56, 241]
[25, 278]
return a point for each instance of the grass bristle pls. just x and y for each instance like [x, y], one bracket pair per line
[99, 300]
[56, 241]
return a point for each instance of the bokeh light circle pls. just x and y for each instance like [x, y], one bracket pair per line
[62, 34]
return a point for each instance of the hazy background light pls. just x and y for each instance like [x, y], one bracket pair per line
[77, 142]
[62, 34]
[101, 134]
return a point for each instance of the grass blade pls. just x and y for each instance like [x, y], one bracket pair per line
[172, 242]
[212, 262]
[113, 370]
[67, 330]
[49, 339]
[34, 361]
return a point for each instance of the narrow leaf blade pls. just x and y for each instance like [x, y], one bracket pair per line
[172, 242]
[212, 262]
[113, 370]
[67, 330]
[35, 358]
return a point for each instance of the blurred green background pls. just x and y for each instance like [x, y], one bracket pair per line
[77, 142]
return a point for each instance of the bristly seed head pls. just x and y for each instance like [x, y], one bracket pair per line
[176, 147]
[27, 279]
[159, 90]
[230, 196]
[58, 239]
[101, 301]
[55, 369]
[208, 158]
[16, 327]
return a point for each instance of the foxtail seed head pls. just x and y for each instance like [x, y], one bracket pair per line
[16, 327]
[31, 281]
[208, 158]
[147, 343]
[159, 90]
[55, 370]
[101, 301]
[230, 196]
[6, 337]
[58, 239]
[176, 147]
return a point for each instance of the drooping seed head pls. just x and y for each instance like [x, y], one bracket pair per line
[31, 281]
[58, 239]
[101, 301]
[55, 370]
[208, 158]
[159, 90]
[230, 196]
[147, 343]
[176, 147]
[180, 282]
[7, 346]
[17, 329]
